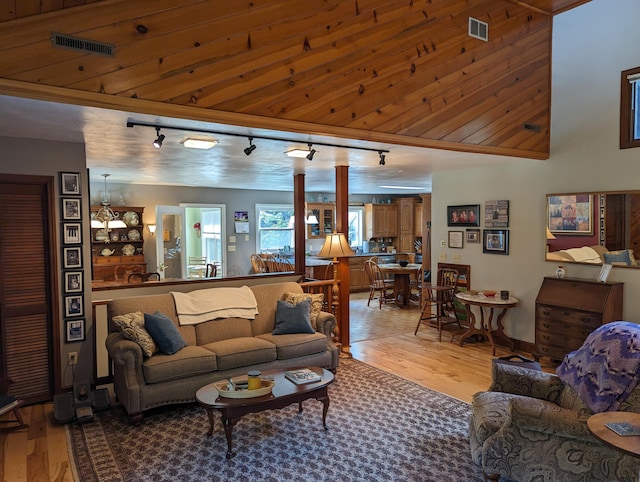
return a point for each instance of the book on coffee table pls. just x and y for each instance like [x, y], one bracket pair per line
[623, 429]
[303, 375]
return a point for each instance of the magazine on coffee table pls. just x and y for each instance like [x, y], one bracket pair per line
[623, 429]
[303, 375]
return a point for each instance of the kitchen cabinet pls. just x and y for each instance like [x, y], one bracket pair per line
[418, 227]
[406, 236]
[325, 212]
[118, 252]
[569, 309]
[381, 220]
[357, 277]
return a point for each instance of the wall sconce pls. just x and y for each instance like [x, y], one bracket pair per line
[152, 228]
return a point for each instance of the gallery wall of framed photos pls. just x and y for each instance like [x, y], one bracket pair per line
[72, 275]
[494, 237]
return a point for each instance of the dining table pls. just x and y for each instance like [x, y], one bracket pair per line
[485, 329]
[401, 279]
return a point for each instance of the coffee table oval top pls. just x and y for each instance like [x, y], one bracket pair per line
[209, 397]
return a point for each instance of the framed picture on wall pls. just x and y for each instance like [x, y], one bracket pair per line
[72, 233]
[70, 183]
[570, 214]
[495, 241]
[73, 282]
[455, 239]
[75, 330]
[70, 209]
[463, 215]
[473, 236]
[72, 257]
[74, 305]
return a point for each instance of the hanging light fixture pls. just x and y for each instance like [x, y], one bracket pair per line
[158, 142]
[105, 218]
[312, 152]
[251, 148]
[382, 156]
[311, 218]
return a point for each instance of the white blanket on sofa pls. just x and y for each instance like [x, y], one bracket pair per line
[205, 305]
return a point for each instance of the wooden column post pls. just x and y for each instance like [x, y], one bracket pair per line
[342, 224]
[300, 227]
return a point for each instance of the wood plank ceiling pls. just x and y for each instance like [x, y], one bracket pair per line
[405, 70]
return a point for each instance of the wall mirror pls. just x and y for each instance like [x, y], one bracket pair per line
[594, 228]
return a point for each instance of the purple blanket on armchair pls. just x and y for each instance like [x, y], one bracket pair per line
[605, 369]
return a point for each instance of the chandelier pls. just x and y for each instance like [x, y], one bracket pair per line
[105, 218]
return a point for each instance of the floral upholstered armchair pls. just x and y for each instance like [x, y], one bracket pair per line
[532, 425]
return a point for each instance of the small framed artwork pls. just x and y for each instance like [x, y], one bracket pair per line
[495, 241]
[71, 209]
[455, 239]
[70, 184]
[73, 282]
[72, 257]
[72, 233]
[473, 236]
[75, 330]
[496, 214]
[73, 305]
[464, 215]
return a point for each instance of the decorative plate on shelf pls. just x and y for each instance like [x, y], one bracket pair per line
[134, 235]
[128, 249]
[102, 235]
[131, 218]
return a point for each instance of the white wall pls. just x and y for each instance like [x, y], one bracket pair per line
[592, 44]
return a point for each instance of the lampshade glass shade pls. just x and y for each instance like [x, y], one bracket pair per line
[312, 219]
[335, 246]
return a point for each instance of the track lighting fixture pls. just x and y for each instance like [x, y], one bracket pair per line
[158, 142]
[312, 152]
[251, 148]
[308, 153]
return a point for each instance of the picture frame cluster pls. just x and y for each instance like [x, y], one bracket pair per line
[72, 262]
[494, 238]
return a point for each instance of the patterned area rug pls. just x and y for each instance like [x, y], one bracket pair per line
[381, 427]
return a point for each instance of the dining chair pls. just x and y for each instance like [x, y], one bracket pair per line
[9, 404]
[258, 265]
[416, 285]
[437, 301]
[377, 284]
[197, 267]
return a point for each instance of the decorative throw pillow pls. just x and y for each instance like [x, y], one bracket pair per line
[293, 318]
[623, 256]
[132, 327]
[316, 303]
[164, 333]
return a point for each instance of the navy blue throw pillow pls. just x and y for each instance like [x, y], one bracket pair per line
[293, 318]
[164, 333]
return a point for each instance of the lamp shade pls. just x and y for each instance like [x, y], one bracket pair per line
[550, 234]
[335, 246]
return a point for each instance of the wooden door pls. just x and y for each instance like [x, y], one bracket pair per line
[29, 337]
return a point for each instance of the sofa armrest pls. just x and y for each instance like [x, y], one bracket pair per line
[326, 324]
[127, 357]
[546, 417]
[525, 381]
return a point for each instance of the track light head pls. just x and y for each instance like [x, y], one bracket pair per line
[382, 157]
[158, 142]
[251, 148]
[312, 152]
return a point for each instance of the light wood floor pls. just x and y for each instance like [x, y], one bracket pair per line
[382, 338]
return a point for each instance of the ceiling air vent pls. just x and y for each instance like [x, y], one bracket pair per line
[478, 29]
[83, 45]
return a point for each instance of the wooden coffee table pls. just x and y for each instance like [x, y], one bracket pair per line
[284, 393]
[628, 444]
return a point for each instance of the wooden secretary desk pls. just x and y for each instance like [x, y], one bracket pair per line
[569, 309]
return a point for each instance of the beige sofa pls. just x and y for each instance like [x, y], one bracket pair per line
[217, 349]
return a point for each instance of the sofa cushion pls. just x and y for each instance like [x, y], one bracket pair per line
[191, 360]
[132, 327]
[164, 333]
[293, 318]
[239, 352]
[316, 303]
[623, 256]
[222, 329]
[296, 345]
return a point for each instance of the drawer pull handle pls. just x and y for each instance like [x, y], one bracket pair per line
[546, 325]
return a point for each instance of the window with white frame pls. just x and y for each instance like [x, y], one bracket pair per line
[275, 227]
[356, 226]
[212, 235]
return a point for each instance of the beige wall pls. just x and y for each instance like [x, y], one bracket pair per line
[585, 156]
